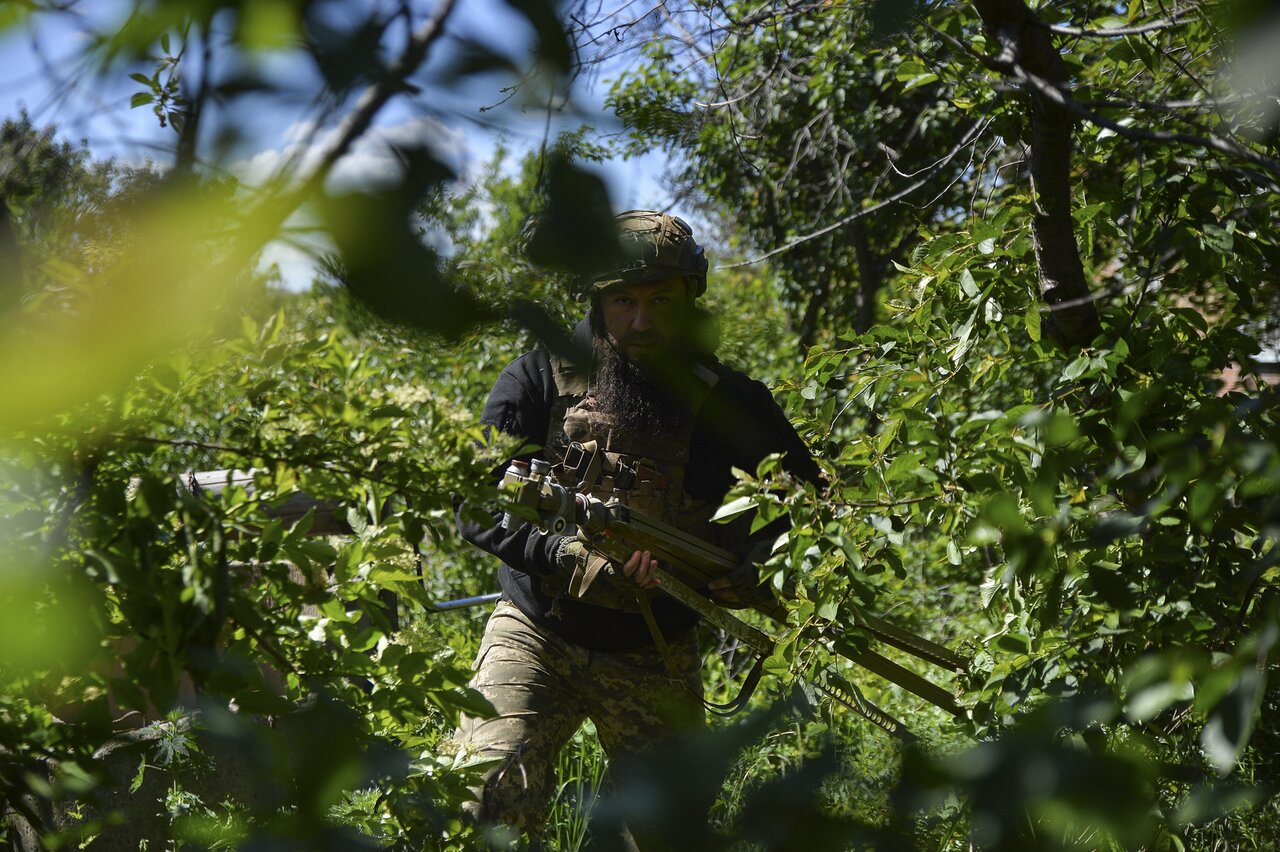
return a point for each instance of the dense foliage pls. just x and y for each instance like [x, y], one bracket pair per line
[1067, 469]
[1109, 503]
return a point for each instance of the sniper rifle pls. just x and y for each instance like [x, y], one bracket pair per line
[687, 564]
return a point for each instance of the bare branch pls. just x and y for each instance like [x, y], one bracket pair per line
[1060, 96]
[730, 101]
[965, 47]
[1190, 104]
[1121, 32]
[892, 157]
[969, 138]
[376, 97]
[1216, 143]
[769, 13]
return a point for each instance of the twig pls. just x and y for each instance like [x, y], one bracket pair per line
[872, 504]
[1165, 259]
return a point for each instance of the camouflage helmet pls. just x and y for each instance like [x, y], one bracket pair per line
[655, 246]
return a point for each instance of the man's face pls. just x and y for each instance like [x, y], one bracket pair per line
[644, 319]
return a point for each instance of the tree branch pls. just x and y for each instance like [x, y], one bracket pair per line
[1058, 95]
[1083, 109]
[1026, 43]
[376, 96]
[1121, 32]
[969, 138]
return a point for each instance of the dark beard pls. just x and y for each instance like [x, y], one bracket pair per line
[633, 398]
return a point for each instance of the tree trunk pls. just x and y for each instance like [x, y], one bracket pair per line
[1026, 43]
[808, 328]
[11, 257]
[870, 276]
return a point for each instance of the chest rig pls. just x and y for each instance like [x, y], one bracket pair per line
[594, 453]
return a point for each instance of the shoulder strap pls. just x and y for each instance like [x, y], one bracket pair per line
[569, 378]
[709, 376]
[570, 386]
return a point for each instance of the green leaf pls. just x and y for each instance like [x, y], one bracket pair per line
[1107, 23]
[768, 512]
[1076, 368]
[910, 69]
[411, 665]
[1115, 525]
[734, 508]
[575, 233]
[1002, 510]
[1145, 703]
[1017, 643]
[920, 80]
[888, 434]
[1227, 731]
[1062, 428]
[348, 561]
[1031, 320]
[777, 664]
[1219, 239]
[1201, 501]
[1208, 802]
[964, 340]
[466, 700]
[903, 466]
[138, 776]
[387, 411]
[140, 99]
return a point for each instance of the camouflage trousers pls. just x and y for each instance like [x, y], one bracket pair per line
[543, 687]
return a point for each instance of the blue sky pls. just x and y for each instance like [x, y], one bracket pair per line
[42, 70]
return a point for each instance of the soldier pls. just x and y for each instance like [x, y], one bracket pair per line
[668, 423]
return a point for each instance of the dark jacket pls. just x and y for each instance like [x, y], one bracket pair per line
[737, 425]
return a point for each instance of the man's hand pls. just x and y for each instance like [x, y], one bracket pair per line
[640, 569]
[574, 556]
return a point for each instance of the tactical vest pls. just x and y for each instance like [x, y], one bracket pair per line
[607, 459]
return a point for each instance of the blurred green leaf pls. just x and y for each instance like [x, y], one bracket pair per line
[1230, 724]
[553, 43]
[574, 232]
[386, 265]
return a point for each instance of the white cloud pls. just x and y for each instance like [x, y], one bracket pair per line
[370, 164]
[299, 131]
[297, 266]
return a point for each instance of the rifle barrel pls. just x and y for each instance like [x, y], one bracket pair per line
[463, 603]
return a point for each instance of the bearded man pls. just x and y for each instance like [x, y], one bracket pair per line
[575, 637]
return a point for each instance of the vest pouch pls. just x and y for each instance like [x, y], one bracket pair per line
[583, 463]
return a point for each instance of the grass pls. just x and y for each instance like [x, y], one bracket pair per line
[580, 773]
